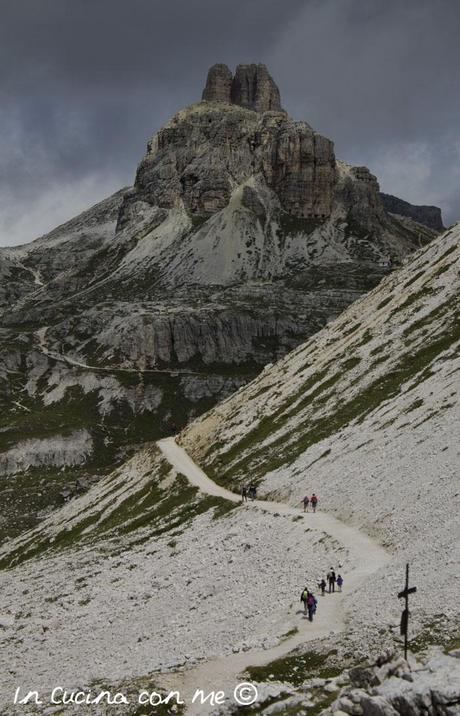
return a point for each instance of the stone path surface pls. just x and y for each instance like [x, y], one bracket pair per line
[222, 673]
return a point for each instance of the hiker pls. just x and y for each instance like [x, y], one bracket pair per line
[304, 599]
[339, 582]
[305, 501]
[252, 491]
[244, 494]
[331, 578]
[314, 502]
[322, 586]
[311, 606]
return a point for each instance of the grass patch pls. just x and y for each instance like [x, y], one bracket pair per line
[367, 337]
[414, 279]
[435, 633]
[294, 669]
[385, 302]
[427, 320]
[413, 406]
[413, 298]
[351, 363]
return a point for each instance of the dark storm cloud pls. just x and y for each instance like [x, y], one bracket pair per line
[84, 83]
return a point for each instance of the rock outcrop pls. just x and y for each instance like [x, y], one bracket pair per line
[254, 88]
[218, 84]
[427, 215]
[299, 165]
[251, 87]
[390, 687]
[234, 145]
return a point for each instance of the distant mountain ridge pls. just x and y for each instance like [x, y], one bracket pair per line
[427, 215]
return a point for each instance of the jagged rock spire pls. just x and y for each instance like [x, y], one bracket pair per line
[218, 84]
[252, 86]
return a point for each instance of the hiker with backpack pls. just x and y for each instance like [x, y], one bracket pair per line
[331, 578]
[339, 582]
[322, 586]
[311, 606]
[314, 502]
[244, 494]
[304, 599]
[305, 500]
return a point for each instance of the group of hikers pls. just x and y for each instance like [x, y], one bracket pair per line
[332, 580]
[313, 501]
[250, 491]
[309, 600]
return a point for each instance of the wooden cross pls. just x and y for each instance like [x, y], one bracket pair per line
[405, 615]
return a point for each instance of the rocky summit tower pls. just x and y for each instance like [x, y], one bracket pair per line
[239, 131]
[251, 86]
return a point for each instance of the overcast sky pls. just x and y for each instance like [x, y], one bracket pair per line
[85, 83]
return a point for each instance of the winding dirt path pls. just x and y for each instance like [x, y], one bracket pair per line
[63, 358]
[365, 558]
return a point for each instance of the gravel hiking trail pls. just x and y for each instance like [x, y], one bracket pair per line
[62, 358]
[366, 557]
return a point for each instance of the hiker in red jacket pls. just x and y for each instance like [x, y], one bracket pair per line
[314, 502]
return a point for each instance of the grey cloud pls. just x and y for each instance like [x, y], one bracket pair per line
[84, 83]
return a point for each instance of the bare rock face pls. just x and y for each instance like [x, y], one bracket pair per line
[200, 154]
[359, 190]
[218, 84]
[427, 215]
[299, 165]
[238, 132]
[254, 88]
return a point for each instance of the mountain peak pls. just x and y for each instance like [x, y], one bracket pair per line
[251, 86]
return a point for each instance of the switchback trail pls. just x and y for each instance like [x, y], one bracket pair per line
[365, 558]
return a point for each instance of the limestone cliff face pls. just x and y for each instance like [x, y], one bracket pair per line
[237, 132]
[299, 165]
[252, 87]
[218, 84]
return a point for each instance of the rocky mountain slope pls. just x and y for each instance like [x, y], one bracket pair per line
[365, 414]
[242, 236]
